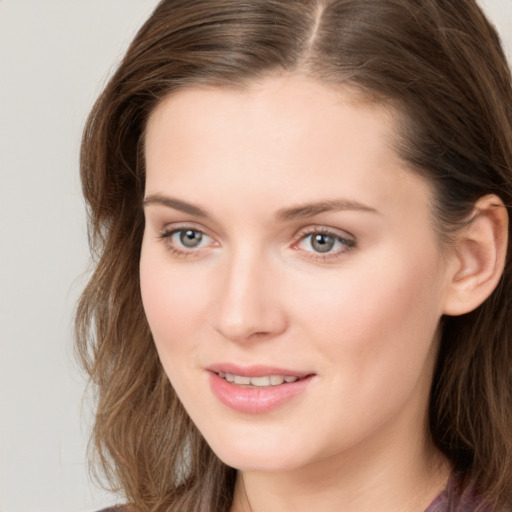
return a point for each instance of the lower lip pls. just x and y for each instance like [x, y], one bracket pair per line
[255, 400]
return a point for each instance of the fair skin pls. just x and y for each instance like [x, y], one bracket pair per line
[346, 294]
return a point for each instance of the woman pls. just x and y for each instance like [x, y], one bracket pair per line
[299, 212]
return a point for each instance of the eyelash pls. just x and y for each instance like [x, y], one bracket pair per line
[348, 243]
[167, 235]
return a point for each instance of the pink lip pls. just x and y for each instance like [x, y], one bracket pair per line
[255, 370]
[255, 400]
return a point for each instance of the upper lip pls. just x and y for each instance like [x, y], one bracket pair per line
[256, 370]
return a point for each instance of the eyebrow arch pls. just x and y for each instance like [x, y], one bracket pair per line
[174, 203]
[284, 214]
[312, 209]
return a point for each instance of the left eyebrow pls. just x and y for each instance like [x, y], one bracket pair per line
[312, 209]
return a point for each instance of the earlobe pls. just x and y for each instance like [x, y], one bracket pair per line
[479, 257]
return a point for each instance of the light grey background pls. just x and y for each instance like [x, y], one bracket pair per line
[55, 55]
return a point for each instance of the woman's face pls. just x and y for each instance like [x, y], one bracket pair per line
[290, 273]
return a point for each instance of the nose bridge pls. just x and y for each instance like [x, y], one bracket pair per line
[249, 302]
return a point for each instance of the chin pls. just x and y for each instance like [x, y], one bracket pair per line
[268, 462]
[258, 453]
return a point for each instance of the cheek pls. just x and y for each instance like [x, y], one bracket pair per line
[374, 334]
[171, 299]
[171, 309]
[376, 318]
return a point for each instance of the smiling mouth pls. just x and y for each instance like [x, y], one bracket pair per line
[257, 389]
[258, 382]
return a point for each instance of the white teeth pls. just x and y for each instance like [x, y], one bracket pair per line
[260, 381]
[263, 382]
[276, 380]
[242, 380]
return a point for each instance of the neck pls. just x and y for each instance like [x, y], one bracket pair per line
[386, 475]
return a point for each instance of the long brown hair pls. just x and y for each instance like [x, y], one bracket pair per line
[440, 65]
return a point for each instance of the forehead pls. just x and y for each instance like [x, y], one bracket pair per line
[281, 103]
[286, 134]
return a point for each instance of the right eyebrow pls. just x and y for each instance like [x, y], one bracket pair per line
[176, 204]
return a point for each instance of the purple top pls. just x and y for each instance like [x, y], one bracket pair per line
[450, 500]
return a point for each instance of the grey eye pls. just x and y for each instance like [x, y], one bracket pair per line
[190, 238]
[321, 242]
[326, 243]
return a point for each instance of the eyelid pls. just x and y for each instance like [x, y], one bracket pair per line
[348, 239]
[322, 228]
[170, 230]
[173, 227]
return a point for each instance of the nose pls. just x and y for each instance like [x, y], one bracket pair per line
[250, 304]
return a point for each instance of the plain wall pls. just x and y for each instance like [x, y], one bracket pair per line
[55, 55]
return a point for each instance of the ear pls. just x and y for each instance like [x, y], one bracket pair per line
[478, 257]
